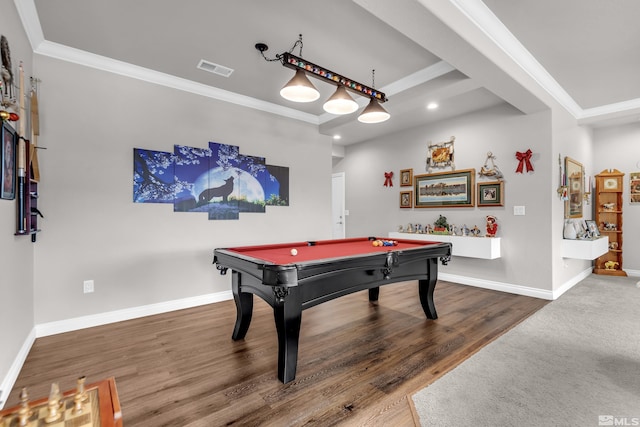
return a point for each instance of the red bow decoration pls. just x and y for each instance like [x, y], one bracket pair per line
[387, 179]
[523, 158]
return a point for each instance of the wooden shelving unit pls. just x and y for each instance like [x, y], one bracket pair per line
[608, 215]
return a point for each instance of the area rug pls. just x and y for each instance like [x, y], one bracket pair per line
[575, 362]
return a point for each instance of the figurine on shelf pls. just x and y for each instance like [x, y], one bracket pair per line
[609, 226]
[465, 230]
[609, 206]
[611, 265]
[475, 231]
[492, 226]
[452, 229]
[400, 229]
[440, 225]
[428, 229]
[409, 228]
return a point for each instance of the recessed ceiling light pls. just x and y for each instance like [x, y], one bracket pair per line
[432, 106]
[336, 137]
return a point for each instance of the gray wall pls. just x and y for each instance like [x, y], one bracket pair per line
[530, 244]
[16, 262]
[140, 254]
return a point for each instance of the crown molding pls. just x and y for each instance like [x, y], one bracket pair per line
[483, 18]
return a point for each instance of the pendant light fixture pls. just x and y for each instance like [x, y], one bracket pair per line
[373, 113]
[340, 102]
[300, 89]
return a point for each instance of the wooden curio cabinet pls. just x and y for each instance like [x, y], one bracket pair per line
[608, 215]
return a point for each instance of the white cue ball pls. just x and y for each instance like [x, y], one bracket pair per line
[294, 252]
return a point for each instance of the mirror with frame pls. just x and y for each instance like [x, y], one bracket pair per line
[575, 188]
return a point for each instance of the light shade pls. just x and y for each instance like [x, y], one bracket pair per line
[373, 113]
[340, 102]
[299, 89]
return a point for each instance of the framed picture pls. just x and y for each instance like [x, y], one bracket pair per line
[634, 187]
[406, 177]
[440, 155]
[592, 227]
[406, 199]
[8, 159]
[445, 189]
[490, 193]
[575, 187]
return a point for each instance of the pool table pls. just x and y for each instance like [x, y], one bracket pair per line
[321, 271]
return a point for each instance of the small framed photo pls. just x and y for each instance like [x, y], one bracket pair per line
[406, 178]
[490, 193]
[406, 199]
[8, 161]
[592, 227]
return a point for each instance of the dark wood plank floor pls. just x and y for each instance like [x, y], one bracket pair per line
[358, 361]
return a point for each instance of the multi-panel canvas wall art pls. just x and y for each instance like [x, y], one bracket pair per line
[217, 180]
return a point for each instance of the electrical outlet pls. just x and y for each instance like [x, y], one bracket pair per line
[88, 286]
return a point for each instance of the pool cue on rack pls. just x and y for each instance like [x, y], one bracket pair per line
[22, 159]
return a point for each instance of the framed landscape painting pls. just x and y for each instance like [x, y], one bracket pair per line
[445, 189]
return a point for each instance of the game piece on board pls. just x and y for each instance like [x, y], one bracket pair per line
[53, 406]
[294, 252]
[23, 413]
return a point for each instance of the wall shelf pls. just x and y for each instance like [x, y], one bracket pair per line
[463, 246]
[585, 249]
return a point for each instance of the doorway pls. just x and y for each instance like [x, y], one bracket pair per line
[338, 226]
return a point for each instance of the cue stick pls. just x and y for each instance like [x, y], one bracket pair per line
[35, 131]
[22, 218]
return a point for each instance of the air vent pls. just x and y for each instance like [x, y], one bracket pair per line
[220, 70]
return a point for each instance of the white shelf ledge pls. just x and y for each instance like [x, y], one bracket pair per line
[585, 249]
[464, 246]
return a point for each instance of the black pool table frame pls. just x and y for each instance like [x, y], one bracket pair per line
[291, 288]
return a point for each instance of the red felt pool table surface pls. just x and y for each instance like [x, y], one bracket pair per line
[280, 254]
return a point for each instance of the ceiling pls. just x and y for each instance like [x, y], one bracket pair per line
[463, 54]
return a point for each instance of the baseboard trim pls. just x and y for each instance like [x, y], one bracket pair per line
[83, 322]
[10, 379]
[632, 273]
[67, 325]
[515, 289]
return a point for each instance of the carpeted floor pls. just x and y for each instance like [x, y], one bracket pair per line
[576, 362]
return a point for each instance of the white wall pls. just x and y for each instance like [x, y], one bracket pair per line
[618, 148]
[16, 262]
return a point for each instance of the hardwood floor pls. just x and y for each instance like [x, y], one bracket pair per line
[358, 362]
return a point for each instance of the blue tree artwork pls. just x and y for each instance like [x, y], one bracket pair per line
[218, 180]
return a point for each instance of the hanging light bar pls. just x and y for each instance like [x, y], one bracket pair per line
[295, 62]
[300, 89]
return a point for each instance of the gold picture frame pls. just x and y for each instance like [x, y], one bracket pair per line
[574, 177]
[406, 177]
[445, 189]
[406, 199]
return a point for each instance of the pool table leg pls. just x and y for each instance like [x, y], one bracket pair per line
[426, 288]
[374, 293]
[244, 308]
[287, 312]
